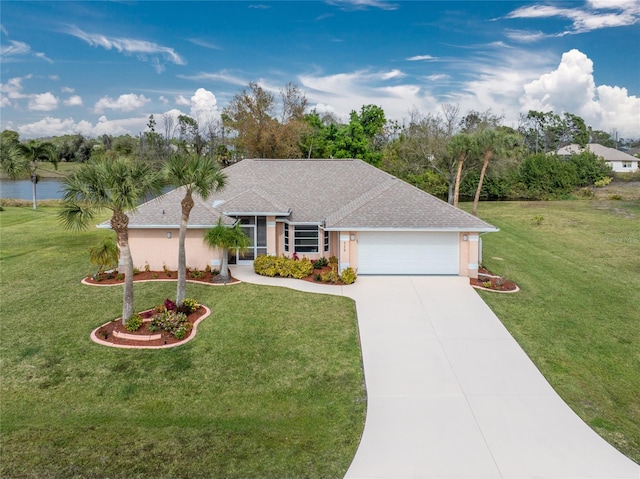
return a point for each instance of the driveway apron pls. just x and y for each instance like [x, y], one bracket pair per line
[450, 394]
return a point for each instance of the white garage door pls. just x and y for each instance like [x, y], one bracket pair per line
[407, 253]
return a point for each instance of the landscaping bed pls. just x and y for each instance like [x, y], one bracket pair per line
[109, 278]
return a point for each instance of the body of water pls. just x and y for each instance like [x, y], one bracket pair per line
[47, 189]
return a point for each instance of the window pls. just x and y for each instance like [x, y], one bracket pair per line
[286, 237]
[626, 164]
[326, 241]
[305, 238]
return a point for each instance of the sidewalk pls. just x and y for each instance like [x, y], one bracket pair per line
[450, 392]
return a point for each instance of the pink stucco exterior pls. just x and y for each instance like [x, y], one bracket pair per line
[155, 248]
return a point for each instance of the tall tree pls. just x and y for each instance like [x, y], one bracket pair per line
[195, 174]
[32, 153]
[250, 116]
[490, 143]
[460, 147]
[548, 132]
[225, 239]
[118, 185]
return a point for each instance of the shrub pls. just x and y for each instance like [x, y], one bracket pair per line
[196, 274]
[265, 265]
[348, 276]
[146, 267]
[136, 270]
[207, 269]
[602, 182]
[134, 323]
[320, 263]
[538, 219]
[120, 276]
[189, 305]
[302, 268]
[333, 261]
[330, 277]
[317, 277]
[169, 305]
[171, 321]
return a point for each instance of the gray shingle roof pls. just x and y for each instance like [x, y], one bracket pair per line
[609, 154]
[341, 194]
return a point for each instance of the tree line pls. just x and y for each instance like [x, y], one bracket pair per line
[447, 153]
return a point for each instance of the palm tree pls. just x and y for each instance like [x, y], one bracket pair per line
[104, 255]
[196, 174]
[459, 146]
[491, 142]
[33, 152]
[226, 239]
[118, 185]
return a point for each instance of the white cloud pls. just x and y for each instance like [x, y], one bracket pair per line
[14, 48]
[66, 89]
[419, 58]
[73, 100]
[345, 92]
[127, 102]
[43, 102]
[525, 36]
[129, 45]
[571, 88]
[4, 101]
[204, 106]
[223, 76]
[182, 100]
[596, 15]
[164, 100]
[363, 4]
[437, 77]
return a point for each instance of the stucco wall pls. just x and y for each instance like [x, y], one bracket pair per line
[152, 247]
[469, 254]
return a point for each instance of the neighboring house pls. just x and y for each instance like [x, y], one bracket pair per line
[619, 161]
[368, 219]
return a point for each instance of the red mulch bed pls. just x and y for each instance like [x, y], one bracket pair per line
[497, 283]
[166, 339]
[112, 278]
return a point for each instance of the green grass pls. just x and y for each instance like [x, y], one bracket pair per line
[271, 387]
[578, 313]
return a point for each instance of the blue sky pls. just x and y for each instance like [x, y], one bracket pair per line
[104, 67]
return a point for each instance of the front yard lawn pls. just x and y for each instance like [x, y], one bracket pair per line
[271, 387]
[578, 312]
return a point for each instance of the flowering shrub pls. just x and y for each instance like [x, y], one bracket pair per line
[171, 321]
[169, 305]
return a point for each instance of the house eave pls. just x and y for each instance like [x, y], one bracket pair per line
[408, 229]
[256, 213]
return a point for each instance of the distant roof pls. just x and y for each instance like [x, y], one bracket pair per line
[609, 154]
[338, 194]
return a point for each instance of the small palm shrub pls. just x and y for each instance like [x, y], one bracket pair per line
[171, 321]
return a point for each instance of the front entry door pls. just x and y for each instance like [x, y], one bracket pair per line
[255, 227]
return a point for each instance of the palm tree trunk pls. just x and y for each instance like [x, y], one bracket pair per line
[187, 205]
[224, 266]
[34, 180]
[120, 224]
[456, 191]
[485, 164]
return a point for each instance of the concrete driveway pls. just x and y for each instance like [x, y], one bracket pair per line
[452, 395]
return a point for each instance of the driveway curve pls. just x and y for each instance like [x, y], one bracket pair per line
[450, 392]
